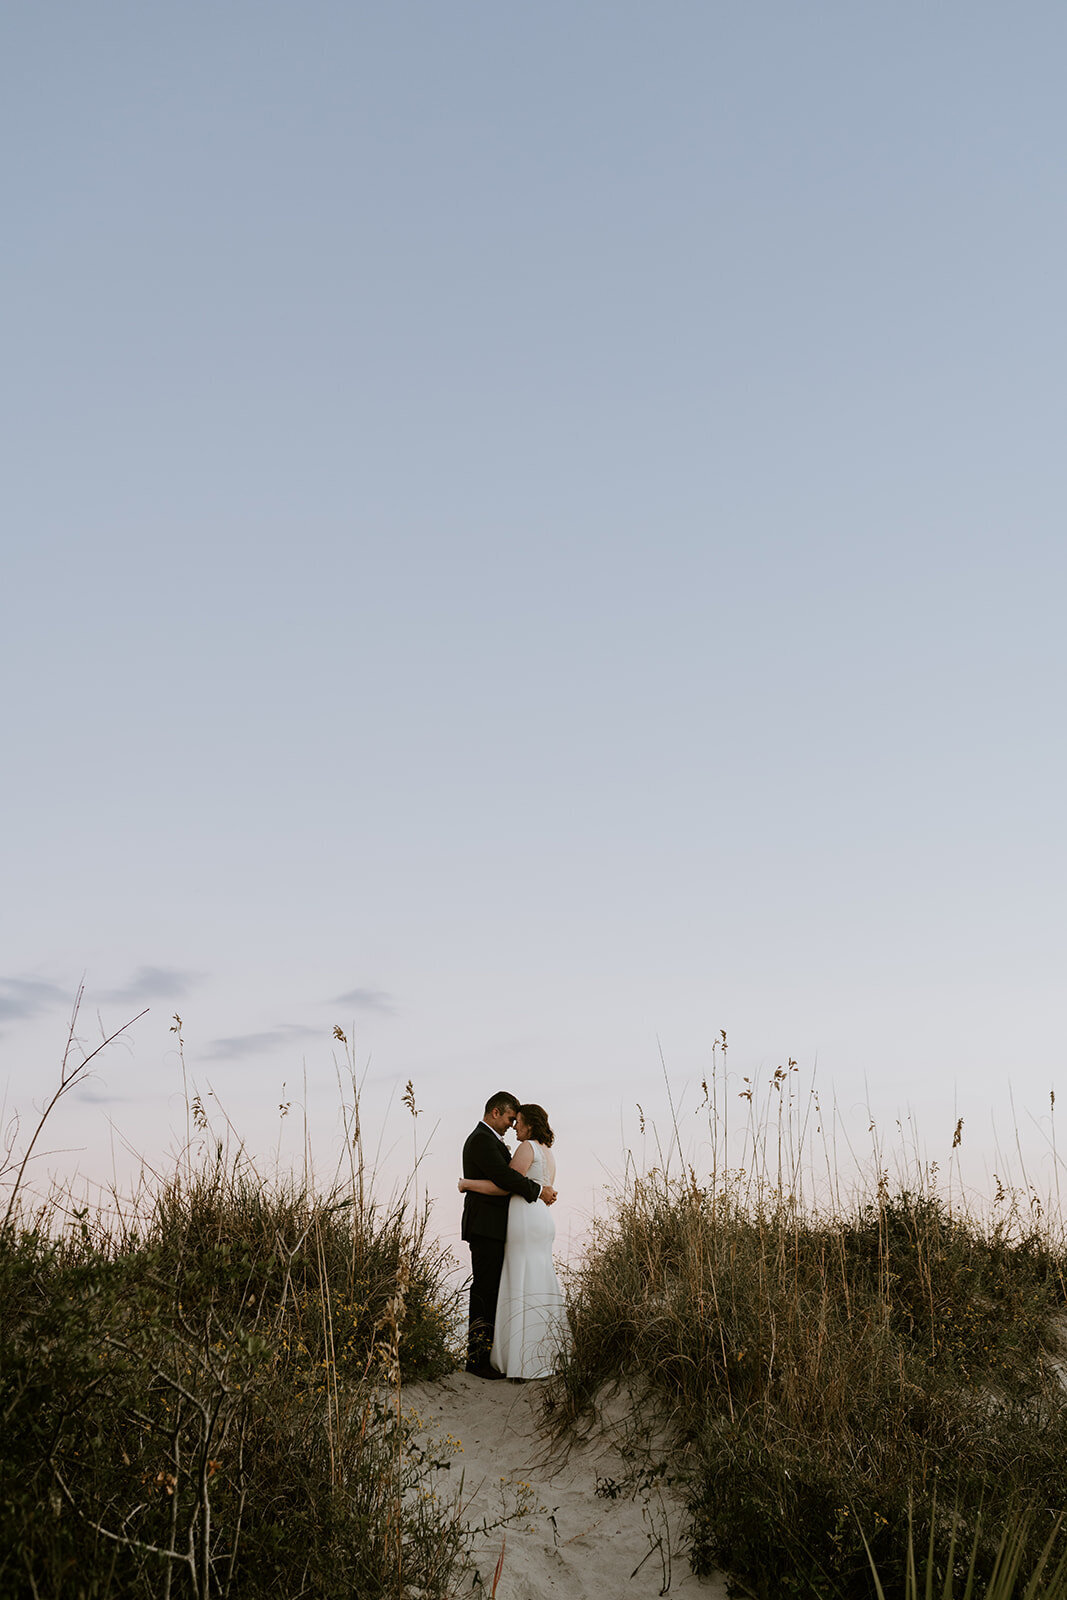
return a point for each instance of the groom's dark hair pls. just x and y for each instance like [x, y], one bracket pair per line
[499, 1100]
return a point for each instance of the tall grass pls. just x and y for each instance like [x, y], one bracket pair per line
[848, 1380]
[201, 1396]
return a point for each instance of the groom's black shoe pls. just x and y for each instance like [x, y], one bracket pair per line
[484, 1371]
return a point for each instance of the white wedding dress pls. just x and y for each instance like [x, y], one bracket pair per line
[531, 1319]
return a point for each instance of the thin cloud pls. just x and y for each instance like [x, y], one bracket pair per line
[242, 1045]
[367, 1000]
[28, 997]
[152, 983]
[94, 1095]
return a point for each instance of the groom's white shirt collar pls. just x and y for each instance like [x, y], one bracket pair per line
[493, 1131]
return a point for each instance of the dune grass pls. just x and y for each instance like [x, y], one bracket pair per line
[201, 1396]
[848, 1382]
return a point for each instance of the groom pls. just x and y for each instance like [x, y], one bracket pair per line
[485, 1222]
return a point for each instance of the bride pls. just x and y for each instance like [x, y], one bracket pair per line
[530, 1313]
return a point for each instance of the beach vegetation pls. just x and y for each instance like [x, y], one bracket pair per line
[847, 1379]
[200, 1392]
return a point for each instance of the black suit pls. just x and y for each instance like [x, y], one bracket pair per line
[485, 1227]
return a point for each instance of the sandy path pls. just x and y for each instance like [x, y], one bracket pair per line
[571, 1544]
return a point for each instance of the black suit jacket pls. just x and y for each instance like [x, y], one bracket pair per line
[486, 1156]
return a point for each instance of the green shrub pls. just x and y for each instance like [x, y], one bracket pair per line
[824, 1373]
[199, 1405]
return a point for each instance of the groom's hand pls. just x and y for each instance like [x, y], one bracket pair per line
[548, 1194]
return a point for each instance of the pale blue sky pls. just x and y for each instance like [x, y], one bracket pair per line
[535, 529]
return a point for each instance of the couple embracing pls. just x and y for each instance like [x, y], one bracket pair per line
[517, 1315]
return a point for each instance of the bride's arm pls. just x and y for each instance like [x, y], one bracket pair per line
[522, 1160]
[479, 1186]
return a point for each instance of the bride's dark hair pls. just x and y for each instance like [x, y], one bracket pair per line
[536, 1119]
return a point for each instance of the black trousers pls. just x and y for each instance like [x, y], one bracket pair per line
[487, 1263]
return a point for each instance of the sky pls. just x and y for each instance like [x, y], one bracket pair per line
[534, 534]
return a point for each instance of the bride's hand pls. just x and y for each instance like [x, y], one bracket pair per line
[460, 1186]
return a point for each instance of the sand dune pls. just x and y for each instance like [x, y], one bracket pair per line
[570, 1543]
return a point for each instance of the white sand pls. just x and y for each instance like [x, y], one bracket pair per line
[572, 1544]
